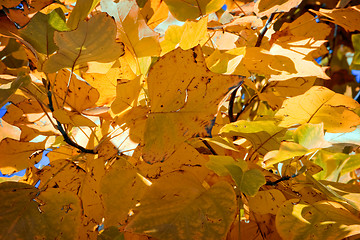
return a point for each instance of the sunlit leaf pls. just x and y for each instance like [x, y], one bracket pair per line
[322, 220]
[6, 90]
[347, 18]
[126, 94]
[317, 105]
[311, 136]
[193, 9]
[93, 40]
[77, 120]
[183, 107]
[348, 137]
[286, 151]
[177, 206]
[266, 7]
[80, 12]
[132, 28]
[263, 135]
[16, 155]
[218, 164]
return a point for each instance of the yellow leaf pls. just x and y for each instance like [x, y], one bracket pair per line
[16, 155]
[133, 31]
[177, 206]
[183, 10]
[121, 190]
[267, 7]
[268, 201]
[321, 220]
[78, 120]
[93, 40]
[126, 94]
[347, 18]
[317, 105]
[79, 95]
[184, 96]
[286, 151]
[80, 12]
[6, 90]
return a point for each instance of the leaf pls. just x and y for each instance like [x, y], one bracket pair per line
[183, 107]
[121, 190]
[248, 181]
[311, 136]
[322, 220]
[186, 36]
[126, 94]
[183, 10]
[93, 40]
[79, 96]
[347, 18]
[7, 90]
[218, 164]
[348, 137]
[317, 105]
[78, 120]
[80, 12]
[39, 32]
[286, 151]
[16, 155]
[133, 31]
[58, 215]
[111, 233]
[266, 7]
[177, 206]
[263, 135]
[268, 201]
[355, 64]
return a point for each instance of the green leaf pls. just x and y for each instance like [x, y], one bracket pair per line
[322, 220]
[218, 164]
[311, 136]
[40, 30]
[192, 9]
[177, 206]
[341, 138]
[263, 135]
[248, 181]
[93, 40]
[80, 12]
[6, 90]
[355, 65]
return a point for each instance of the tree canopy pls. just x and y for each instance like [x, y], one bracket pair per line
[196, 119]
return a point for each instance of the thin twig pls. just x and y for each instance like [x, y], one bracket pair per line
[231, 102]
[263, 31]
[209, 147]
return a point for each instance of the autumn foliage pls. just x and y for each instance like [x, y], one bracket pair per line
[197, 119]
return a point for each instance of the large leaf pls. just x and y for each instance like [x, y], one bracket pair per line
[93, 40]
[121, 189]
[40, 30]
[322, 220]
[184, 96]
[177, 206]
[263, 135]
[58, 215]
[133, 31]
[320, 104]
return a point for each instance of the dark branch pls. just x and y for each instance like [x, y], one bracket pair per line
[263, 31]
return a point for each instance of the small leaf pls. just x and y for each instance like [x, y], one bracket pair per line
[177, 206]
[248, 181]
[93, 40]
[317, 105]
[341, 138]
[218, 164]
[126, 94]
[322, 220]
[80, 12]
[286, 151]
